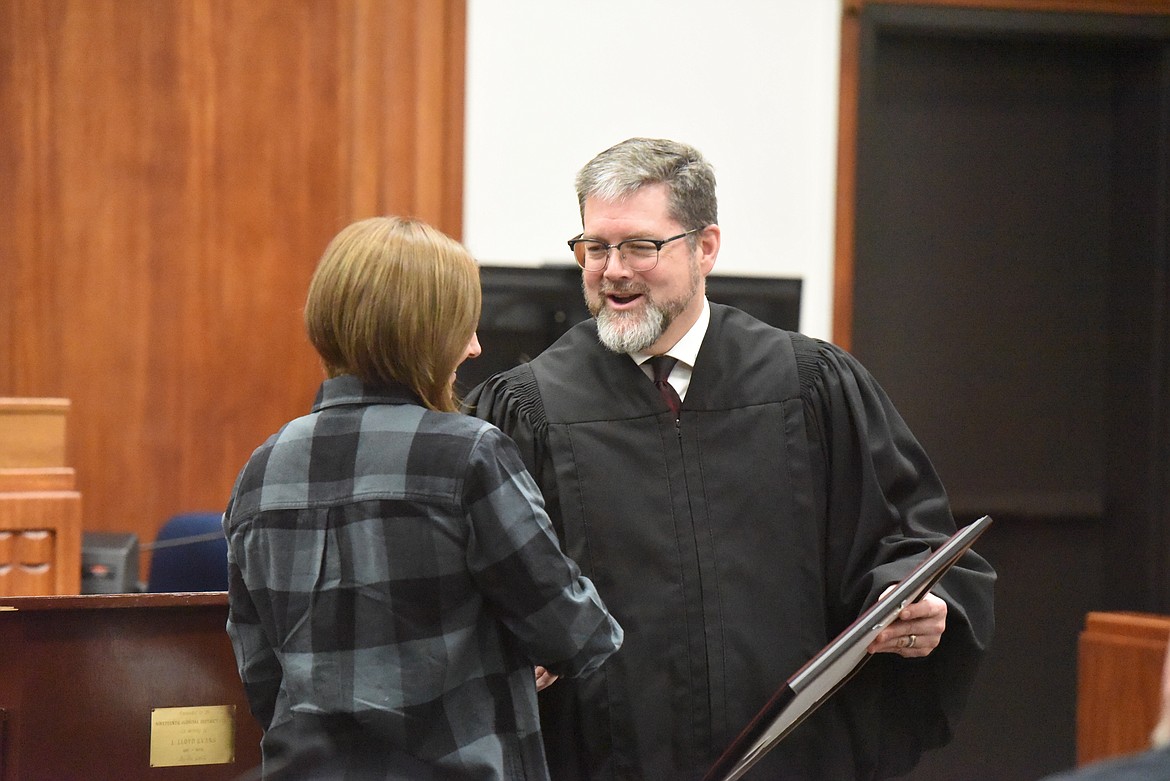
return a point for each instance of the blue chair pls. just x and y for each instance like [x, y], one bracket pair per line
[189, 554]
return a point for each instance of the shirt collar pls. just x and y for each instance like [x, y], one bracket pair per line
[685, 349]
[348, 389]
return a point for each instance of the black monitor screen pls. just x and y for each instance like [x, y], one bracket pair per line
[527, 309]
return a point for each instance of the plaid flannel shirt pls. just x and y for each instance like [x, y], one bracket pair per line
[393, 580]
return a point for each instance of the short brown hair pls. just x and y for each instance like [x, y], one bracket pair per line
[394, 300]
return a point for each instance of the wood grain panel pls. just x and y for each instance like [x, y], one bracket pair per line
[32, 433]
[50, 479]
[847, 111]
[40, 550]
[1119, 677]
[170, 172]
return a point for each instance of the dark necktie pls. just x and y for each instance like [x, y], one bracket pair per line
[661, 365]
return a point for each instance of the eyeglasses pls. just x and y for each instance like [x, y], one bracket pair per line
[636, 254]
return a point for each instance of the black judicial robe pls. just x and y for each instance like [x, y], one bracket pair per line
[732, 547]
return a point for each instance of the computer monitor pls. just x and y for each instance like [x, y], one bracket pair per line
[526, 309]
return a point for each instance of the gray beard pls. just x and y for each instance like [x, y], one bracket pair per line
[631, 332]
[635, 332]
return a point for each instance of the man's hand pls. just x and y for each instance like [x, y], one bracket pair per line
[917, 630]
[544, 678]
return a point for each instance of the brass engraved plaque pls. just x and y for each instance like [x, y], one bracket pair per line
[198, 735]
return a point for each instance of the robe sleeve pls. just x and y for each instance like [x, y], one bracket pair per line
[511, 401]
[886, 509]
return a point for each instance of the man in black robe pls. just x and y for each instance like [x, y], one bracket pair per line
[735, 537]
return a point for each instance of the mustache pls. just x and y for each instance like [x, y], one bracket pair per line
[609, 289]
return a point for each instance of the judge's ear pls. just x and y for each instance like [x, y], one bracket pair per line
[708, 248]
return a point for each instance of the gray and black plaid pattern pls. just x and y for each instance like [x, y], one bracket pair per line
[395, 566]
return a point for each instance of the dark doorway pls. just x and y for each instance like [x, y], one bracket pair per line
[1010, 292]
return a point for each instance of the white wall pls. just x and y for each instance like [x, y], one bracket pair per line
[751, 83]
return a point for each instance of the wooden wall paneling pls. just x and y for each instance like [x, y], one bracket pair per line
[440, 41]
[407, 147]
[847, 111]
[453, 94]
[170, 173]
[386, 159]
[268, 195]
[29, 295]
[197, 213]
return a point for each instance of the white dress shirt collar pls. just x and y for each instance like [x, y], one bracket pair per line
[686, 350]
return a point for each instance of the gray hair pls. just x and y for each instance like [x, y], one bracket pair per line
[635, 163]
